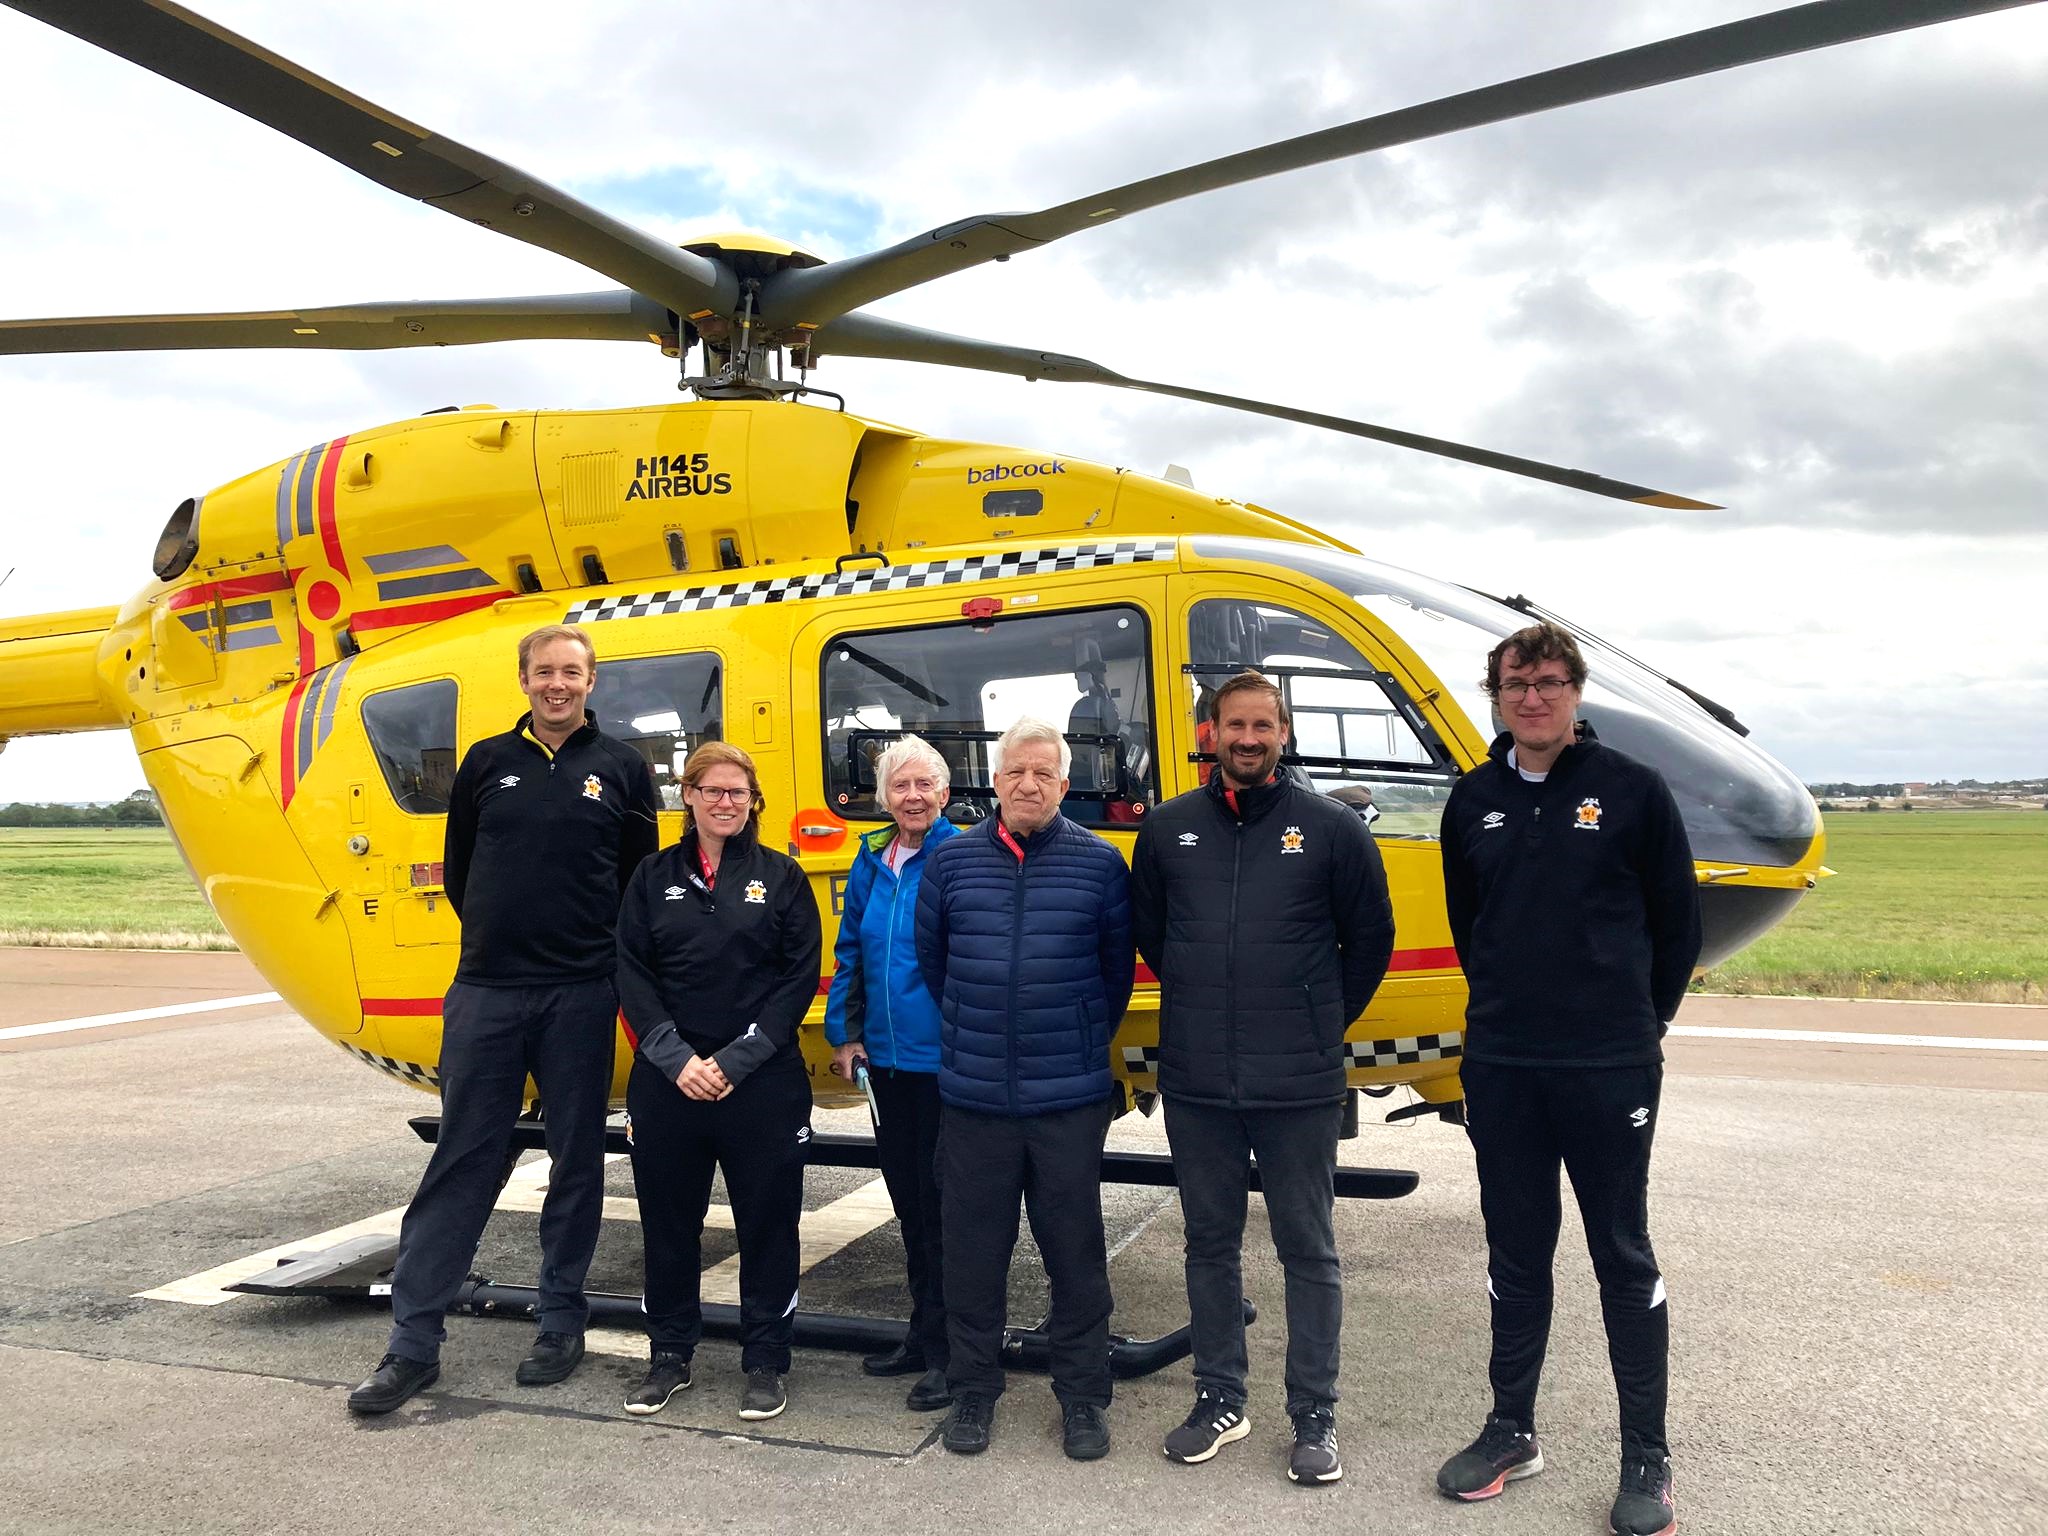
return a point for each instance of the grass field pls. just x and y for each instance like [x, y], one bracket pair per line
[119, 887]
[1927, 904]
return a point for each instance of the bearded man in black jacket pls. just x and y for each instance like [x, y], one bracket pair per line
[1569, 887]
[1262, 906]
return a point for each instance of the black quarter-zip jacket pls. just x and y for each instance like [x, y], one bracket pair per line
[1269, 927]
[1573, 907]
[724, 970]
[539, 848]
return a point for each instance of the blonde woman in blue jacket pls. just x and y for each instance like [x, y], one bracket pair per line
[878, 1015]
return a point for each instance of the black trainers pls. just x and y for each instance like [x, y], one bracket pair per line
[552, 1358]
[1211, 1425]
[666, 1376]
[1084, 1432]
[1643, 1507]
[968, 1425]
[930, 1393]
[1314, 1459]
[904, 1360]
[395, 1379]
[1503, 1452]
[763, 1396]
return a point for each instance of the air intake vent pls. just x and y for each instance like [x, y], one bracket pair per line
[590, 489]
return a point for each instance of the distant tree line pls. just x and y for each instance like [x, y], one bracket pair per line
[138, 810]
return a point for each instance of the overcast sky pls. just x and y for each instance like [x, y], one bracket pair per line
[1814, 290]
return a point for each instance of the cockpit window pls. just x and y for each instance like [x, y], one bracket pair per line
[1740, 805]
[412, 732]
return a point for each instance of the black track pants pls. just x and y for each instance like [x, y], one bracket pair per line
[907, 1147]
[1598, 1123]
[1054, 1162]
[759, 1137]
[492, 1039]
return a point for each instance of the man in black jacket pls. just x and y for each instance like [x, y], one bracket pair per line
[545, 825]
[1569, 886]
[1262, 906]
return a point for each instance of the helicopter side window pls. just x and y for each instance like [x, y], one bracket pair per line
[960, 686]
[664, 707]
[412, 732]
[1356, 736]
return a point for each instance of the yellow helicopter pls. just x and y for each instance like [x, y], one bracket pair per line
[326, 635]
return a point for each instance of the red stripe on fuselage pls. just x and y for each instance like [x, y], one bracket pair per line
[330, 535]
[233, 587]
[424, 613]
[404, 1007]
[287, 774]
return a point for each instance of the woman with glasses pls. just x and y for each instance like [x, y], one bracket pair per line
[880, 1016]
[719, 945]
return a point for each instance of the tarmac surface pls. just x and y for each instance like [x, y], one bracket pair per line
[1855, 1237]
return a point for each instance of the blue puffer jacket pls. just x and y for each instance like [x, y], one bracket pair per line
[1030, 958]
[878, 996]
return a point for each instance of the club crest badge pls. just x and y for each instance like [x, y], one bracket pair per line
[757, 893]
[593, 787]
[1588, 818]
[1291, 840]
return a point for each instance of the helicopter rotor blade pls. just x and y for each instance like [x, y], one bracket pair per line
[873, 337]
[815, 295]
[618, 315]
[173, 42]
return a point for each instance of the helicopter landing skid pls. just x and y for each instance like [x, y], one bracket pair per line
[360, 1270]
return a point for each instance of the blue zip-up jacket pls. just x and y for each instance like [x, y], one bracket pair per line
[1030, 958]
[878, 996]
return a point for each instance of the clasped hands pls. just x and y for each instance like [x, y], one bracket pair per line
[701, 1079]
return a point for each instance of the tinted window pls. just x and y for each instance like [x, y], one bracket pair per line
[665, 707]
[1355, 735]
[960, 686]
[412, 731]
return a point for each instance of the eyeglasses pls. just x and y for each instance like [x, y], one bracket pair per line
[714, 793]
[1546, 687]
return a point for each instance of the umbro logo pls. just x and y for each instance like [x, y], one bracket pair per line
[673, 893]
[803, 1134]
[1189, 839]
[508, 781]
[1639, 1117]
[1492, 820]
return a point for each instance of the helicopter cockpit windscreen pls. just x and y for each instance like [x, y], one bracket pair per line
[664, 707]
[960, 686]
[412, 733]
[1740, 805]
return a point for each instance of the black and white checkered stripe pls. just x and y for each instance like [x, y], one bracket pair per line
[965, 569]
[405, 1071]
[1405, 1051]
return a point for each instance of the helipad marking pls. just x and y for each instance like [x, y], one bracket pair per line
[1855, 1037]
[136, 1015]
[822, 1233]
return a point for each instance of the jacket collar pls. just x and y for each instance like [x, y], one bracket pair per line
[582, 736]
[877, 842]
[739, 845]
[1567, 761]
[1251, 803]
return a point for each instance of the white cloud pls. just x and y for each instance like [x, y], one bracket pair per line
[1811, 289]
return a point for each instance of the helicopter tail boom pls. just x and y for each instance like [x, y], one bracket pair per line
[49, 674]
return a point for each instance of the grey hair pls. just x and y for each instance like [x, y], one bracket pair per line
[904, 751]
[1030, 728]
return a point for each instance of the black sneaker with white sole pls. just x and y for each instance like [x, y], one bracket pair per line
[1210, 1425]
[763, 1397]
[1314, 1459]
[1643, 1506]
[666, 1376]
[1503, 1453]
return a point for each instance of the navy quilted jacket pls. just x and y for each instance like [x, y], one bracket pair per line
[1032, 964]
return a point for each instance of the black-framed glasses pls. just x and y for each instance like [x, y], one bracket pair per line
[715, 793]
[1546, 687]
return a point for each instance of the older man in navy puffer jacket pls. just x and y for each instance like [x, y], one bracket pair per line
[1024, 937]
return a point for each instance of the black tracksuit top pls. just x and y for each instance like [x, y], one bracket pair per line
[1573, 907]
[539, 849]
[1269, 928]
[724, 970]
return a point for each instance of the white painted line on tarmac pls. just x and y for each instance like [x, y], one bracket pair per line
[136, 1015]
[1852, 1037]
